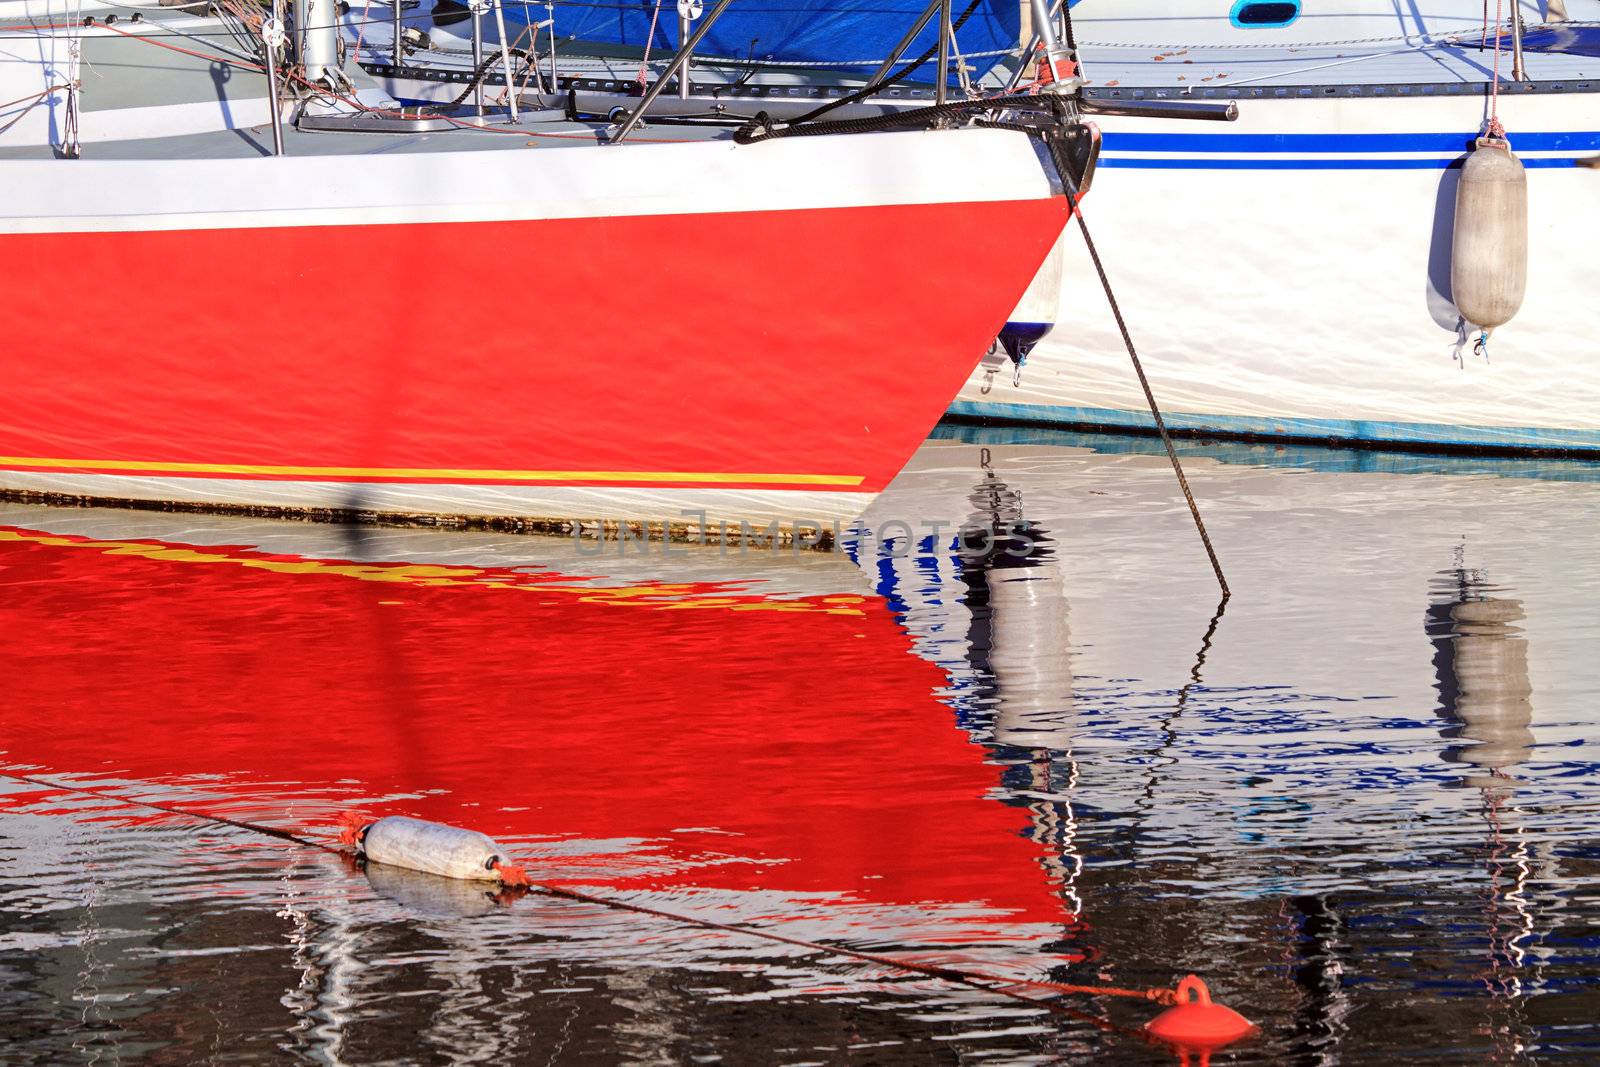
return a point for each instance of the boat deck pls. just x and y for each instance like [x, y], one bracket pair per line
[1557, 58]
[257, 141]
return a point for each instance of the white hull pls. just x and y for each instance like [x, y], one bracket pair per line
[1306, 293]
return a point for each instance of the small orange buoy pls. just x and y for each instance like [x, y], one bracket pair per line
[1196, 1022]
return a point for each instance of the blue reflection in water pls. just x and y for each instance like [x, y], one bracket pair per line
[1356, 848]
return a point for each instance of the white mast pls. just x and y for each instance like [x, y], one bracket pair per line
[317, 26]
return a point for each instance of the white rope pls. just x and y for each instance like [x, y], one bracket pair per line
[70, 120]
[961, 66]
[69, 124]
[23, 32]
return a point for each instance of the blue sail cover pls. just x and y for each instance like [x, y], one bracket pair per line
[824, 32]
[1577, 40]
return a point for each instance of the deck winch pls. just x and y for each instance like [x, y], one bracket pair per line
[1489, 251]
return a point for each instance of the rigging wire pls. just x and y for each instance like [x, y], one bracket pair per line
[357, 24]
[904, 72]
[1416, 40]
[353, 102]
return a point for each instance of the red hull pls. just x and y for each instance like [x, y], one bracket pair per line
[807, 349]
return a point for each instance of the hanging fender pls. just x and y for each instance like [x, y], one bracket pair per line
[1489, 250]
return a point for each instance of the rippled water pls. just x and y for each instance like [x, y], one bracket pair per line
[1010, 732]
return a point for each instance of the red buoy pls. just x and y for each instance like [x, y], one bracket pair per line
[1197, 1023]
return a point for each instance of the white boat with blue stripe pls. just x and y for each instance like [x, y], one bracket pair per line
[1289, 274]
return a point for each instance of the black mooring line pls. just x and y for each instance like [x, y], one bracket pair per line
[989, 983]
[188, 813]
[1150, 397]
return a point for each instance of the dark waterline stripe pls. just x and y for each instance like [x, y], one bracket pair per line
[1528, 438]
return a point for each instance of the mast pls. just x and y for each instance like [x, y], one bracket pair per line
[317, 29]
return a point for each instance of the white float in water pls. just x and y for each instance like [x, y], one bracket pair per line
[1489, 254]
[431, 847]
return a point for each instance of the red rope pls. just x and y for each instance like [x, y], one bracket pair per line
[649, 38]
[512, 875]
[209, 58]
[351, 824]
[9, 30]
[361, 31]
[34, 96]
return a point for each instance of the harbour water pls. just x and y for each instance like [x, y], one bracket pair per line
[1012, 731]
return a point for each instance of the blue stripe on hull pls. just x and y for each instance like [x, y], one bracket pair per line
[1559, 141]
[1245, 151]
[1410, 434]
[1137, 163]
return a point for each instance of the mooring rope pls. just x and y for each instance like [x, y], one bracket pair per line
[997, 984]
[1144, 382]
[1071, 190]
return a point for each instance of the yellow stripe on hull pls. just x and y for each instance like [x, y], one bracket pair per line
[431, 474]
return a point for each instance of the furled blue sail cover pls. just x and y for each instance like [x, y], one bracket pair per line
[1577, 40]
[811, 31]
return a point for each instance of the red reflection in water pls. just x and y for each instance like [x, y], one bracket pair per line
[798, 731]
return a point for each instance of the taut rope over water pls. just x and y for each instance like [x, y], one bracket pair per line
[513, 878]
[1144, 383]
